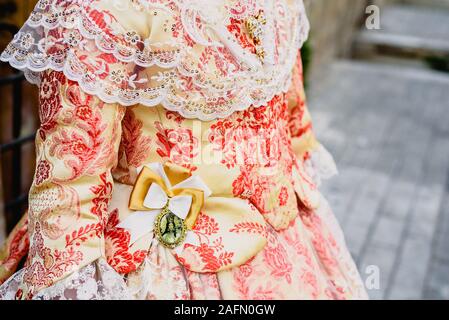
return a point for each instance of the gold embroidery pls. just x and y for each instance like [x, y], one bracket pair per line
[255, 26]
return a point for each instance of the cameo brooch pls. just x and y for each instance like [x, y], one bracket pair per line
[170, 229]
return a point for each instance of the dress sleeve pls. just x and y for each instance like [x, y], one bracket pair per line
[305, 145]
[76, 149]
[14, 249]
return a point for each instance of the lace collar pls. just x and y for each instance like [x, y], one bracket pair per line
[195, 57]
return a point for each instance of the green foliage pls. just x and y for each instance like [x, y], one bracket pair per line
[438, 63]
[306, 54]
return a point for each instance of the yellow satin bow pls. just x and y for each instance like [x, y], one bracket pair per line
[175, 175]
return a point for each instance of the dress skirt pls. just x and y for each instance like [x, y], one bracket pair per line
[308, 260]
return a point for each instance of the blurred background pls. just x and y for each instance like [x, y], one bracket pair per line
[377, 75]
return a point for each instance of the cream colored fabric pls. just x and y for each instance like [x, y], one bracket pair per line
[218, 110]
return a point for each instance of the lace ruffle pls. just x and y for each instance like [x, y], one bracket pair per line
[183, 54]
[96, 281]
[321, 165]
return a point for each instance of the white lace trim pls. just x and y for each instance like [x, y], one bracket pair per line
[156, 278]
[191, 63]
[321, 165]
[96, 281]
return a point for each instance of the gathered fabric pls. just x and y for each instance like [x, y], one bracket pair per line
[188, 55]
[176, 157]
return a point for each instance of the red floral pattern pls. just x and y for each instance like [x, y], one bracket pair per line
[82, 148]
[69, 198]
[250, 227]
[205, 225]
[14, 250]
[135, 145]
[277, 260]
[81, 235]
[103, 194]
[283, 196]
[49, 101]
[117, 247]
[236, 27]
[254, 136]
[43, 171]
[48, 264]
[298, 124]
[212, 255]
[177, 145]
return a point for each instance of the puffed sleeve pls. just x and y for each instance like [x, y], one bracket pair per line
[306, 147]
[76, 148]
[86, 58]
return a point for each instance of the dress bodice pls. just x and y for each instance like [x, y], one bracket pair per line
[249, 154]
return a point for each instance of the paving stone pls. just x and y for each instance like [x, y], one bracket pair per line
[438, 286]
[441, 250]
[405, 291]
[388, 231]
[397, 204]
[431, 217]
[345, 186]
[392, 142]
[425, 214]
[412, 268]
[383, 258]
[355, 238]
[437, 169]
[369, 197]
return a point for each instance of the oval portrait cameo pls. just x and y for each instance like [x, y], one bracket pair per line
[170, 229]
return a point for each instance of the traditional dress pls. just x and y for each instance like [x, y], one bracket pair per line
[175, 157]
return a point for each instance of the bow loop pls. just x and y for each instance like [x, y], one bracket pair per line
[180, 205]
[156, 197]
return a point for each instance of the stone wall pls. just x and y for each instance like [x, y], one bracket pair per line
[333, 25]
[437, 3]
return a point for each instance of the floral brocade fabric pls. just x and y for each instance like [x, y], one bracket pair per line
[187, 55]
[171, 86]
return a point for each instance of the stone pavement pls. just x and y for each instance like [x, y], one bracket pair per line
[385, 118]
[407, 30]
[388, 128]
